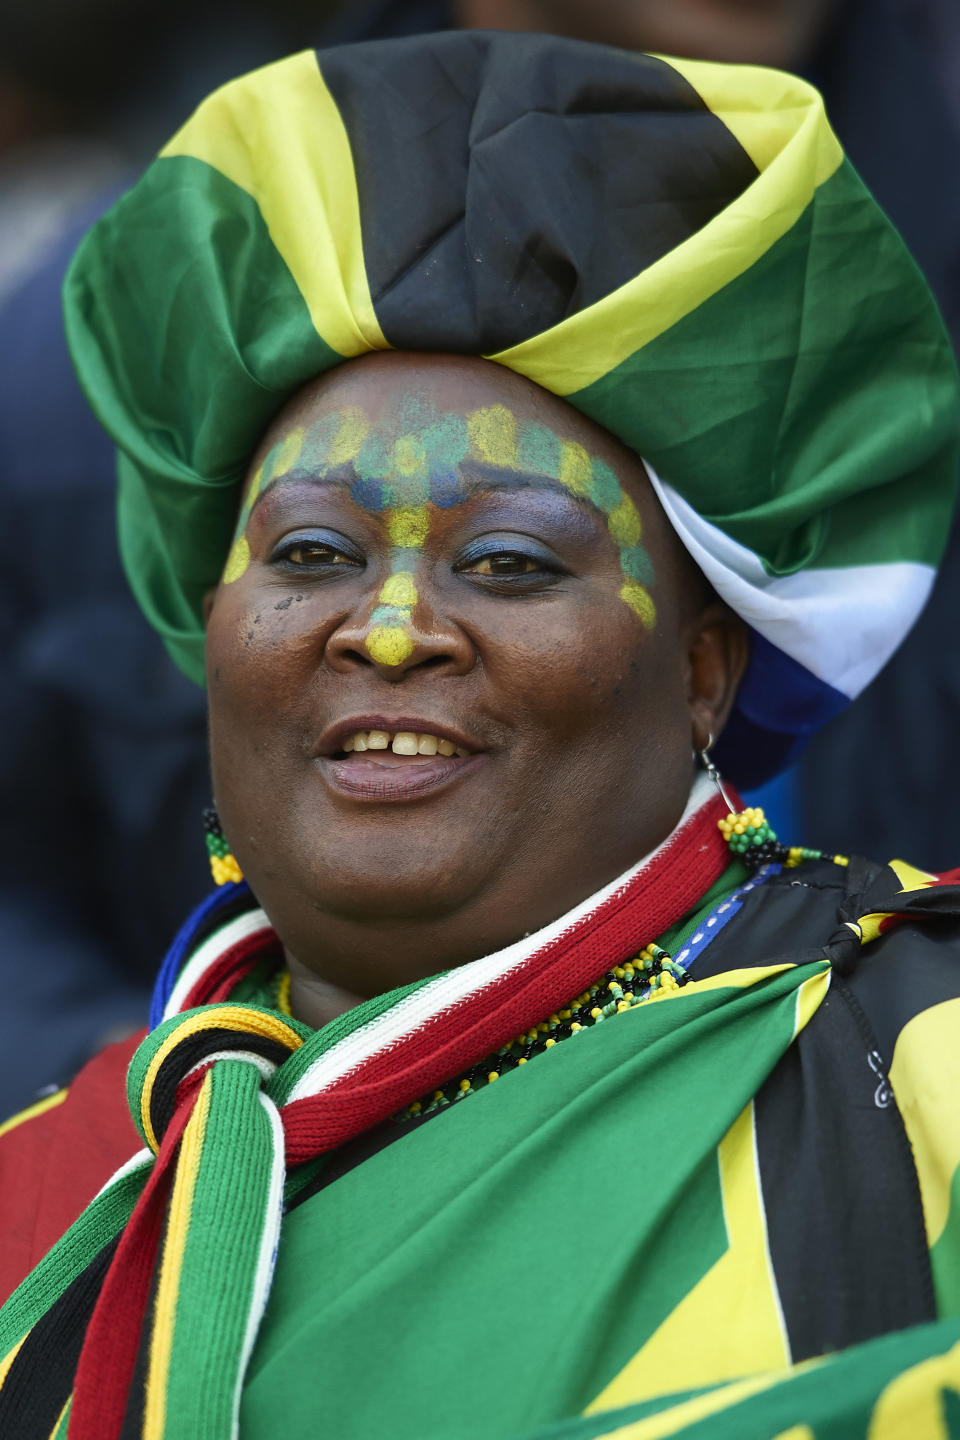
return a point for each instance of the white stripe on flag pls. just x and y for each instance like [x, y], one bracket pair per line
[215, 945]
[842, 624]
[402, 1019]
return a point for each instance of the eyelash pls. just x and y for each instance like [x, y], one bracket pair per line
[546, 569]
[330, 555]
[338, 554]
[539, 565]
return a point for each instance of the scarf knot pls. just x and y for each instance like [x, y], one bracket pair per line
[168, 1068]
[167, 1273]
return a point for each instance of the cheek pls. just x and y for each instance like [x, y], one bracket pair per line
[258, 648]
[589, 674]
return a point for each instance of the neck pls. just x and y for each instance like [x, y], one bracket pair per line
[317, 999]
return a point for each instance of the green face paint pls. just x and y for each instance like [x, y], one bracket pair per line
[419, 470]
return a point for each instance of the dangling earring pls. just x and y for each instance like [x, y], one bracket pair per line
[747, 832]
[222, 862]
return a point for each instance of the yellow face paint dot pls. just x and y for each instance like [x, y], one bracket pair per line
[399, 590]
[576, 468]
[640, 602]
[407, 529]
[389, 644]
[409, 457]
[290, 451]
[624, 524]
[492, 432]
[348, 441]
[237, 560]
[254, 490]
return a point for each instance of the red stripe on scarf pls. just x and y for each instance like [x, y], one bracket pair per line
[230, 968]
[449, 1043]
[109, 1355]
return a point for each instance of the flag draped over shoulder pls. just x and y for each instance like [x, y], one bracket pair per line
[679, 249]
[615, 1232]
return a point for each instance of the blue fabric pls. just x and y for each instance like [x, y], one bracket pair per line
[792, 705]
[183, 942]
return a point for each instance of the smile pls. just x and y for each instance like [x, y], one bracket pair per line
[402, 742]
[376, 764]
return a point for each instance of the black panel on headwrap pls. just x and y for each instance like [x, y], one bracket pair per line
[494, 236]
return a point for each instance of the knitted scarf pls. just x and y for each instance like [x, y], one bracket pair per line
[174, 1258]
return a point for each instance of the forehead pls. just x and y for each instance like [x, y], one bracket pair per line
[390, 415]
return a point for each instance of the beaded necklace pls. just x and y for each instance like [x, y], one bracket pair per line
[650, 975]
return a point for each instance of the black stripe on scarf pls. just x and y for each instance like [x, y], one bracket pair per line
[193, 1051]
[41, 1377]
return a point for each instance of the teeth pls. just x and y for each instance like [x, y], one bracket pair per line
[404, 742]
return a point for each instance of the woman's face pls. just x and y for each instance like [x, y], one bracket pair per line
[434, 555]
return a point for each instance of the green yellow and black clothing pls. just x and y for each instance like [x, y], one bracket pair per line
[725, 1206]
[668, 1214]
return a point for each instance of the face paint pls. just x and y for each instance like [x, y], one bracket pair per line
[402, 478]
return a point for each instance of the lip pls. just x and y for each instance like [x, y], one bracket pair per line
[332, 738]
[361, 778]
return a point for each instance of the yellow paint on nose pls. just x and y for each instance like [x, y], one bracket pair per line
[492, 432]
[640, 602]
[407, 529]
[399, 590]
[237, 560]
[389, 644]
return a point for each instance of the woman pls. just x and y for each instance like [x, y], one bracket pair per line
[532, 1089]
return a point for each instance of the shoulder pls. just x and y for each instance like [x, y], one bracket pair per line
[57, 1154]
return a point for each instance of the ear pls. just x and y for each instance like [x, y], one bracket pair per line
[718, 649]
[208, 600]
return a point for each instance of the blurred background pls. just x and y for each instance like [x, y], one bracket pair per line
[102, 744]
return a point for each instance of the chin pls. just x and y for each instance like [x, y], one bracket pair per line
[385, 887]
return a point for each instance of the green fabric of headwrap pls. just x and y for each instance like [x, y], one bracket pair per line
[678, 249]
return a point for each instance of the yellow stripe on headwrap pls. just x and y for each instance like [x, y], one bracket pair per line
[309, 202]
[793, 160]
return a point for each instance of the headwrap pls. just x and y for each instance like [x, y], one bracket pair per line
[678, 249]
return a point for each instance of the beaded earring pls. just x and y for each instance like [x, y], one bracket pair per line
[748, 832]
[222, 862]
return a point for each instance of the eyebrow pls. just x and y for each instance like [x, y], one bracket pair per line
[476, 477]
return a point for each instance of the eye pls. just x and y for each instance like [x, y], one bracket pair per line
[316, 552]
[506, 562]
[503, 567]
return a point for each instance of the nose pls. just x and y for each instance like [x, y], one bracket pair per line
[399, 630]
